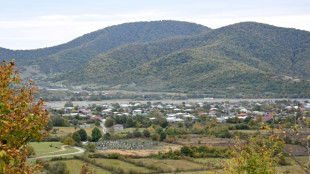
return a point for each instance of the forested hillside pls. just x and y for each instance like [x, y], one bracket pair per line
[247, 58]
[73, 54]
[244, 59]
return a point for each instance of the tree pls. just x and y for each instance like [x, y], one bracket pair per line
[155, 136]
[68, 104]
[60, 168]
[83, 134]
[96, 134]
[137, 133]
[163, 136]
[68, 141]
[109, 122]
[258, 155]
[21, 119]
[76, 137]
[180, 124]
[97, 123]
[163, 122]
[86, 170]
[146, 133]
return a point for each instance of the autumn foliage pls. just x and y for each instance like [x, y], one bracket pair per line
[21, 119]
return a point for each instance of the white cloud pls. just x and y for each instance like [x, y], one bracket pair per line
[51, 30]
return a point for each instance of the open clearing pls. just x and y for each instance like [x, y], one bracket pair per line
[44, 148]
[172, 165]
[196, 140]
[145, 152]
[53, 149]
[123, 165]
[63, 131]
[74, 166]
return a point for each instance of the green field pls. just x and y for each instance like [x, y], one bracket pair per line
[171, 165]
[63, 131]
[74, 166]
[212, 162]
[123, 165]
[45, 148]
[51, 148]
[190, 166]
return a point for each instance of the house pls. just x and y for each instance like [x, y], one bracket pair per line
[137, 112]
[118, 127]
[266, 118]
[177, 109]
[242, 115]
[106, 111]
[188, 105]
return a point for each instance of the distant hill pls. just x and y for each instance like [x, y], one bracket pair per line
[73, 54]
[247, 58]
[242, 60]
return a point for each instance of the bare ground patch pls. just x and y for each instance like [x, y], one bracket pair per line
[145, 152]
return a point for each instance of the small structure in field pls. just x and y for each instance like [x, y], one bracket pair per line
[118, 127]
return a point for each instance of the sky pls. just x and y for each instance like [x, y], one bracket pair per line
[31, 24]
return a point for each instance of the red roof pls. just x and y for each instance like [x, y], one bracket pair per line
[266, 118]
[242, 115]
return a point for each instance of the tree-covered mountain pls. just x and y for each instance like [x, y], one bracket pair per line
[73, 54]
[250, 58]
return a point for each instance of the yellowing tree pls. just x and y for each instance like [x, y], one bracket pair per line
[258, 155]
[21, 120]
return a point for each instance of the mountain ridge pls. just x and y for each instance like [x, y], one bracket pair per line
[246, 58]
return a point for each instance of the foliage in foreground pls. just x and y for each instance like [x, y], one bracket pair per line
[258, 155]
[21, 120]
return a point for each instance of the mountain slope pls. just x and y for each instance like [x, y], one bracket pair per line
[112, 37]
[248, 57]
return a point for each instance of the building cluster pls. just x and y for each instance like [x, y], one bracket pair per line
[181, 111]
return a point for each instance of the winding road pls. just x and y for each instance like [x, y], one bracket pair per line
[80, 150]
[104, 129]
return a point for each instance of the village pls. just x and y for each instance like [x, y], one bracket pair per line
[223, 112]
[163, 137]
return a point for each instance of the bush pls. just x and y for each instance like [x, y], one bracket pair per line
[137, 133]
[114, 156]
[91, 147]
[155, 137]
[163, 136]
[146, 133]
[59, 168]
[223, 133]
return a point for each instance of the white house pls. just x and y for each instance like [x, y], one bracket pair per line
[137, 112]
[118, 127]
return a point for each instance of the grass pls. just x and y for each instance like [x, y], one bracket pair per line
[171, 165]
[201, 172]
[293, 167]
[128, 130]
[244, 131]
[213, 162]
[123, 165]
[63, 131]
[50, 148]
[202, 140]
[43, 148]
[74, 166]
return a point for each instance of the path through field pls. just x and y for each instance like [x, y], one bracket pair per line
[80, 150]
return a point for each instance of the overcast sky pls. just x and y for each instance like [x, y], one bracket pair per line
[28, 24]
